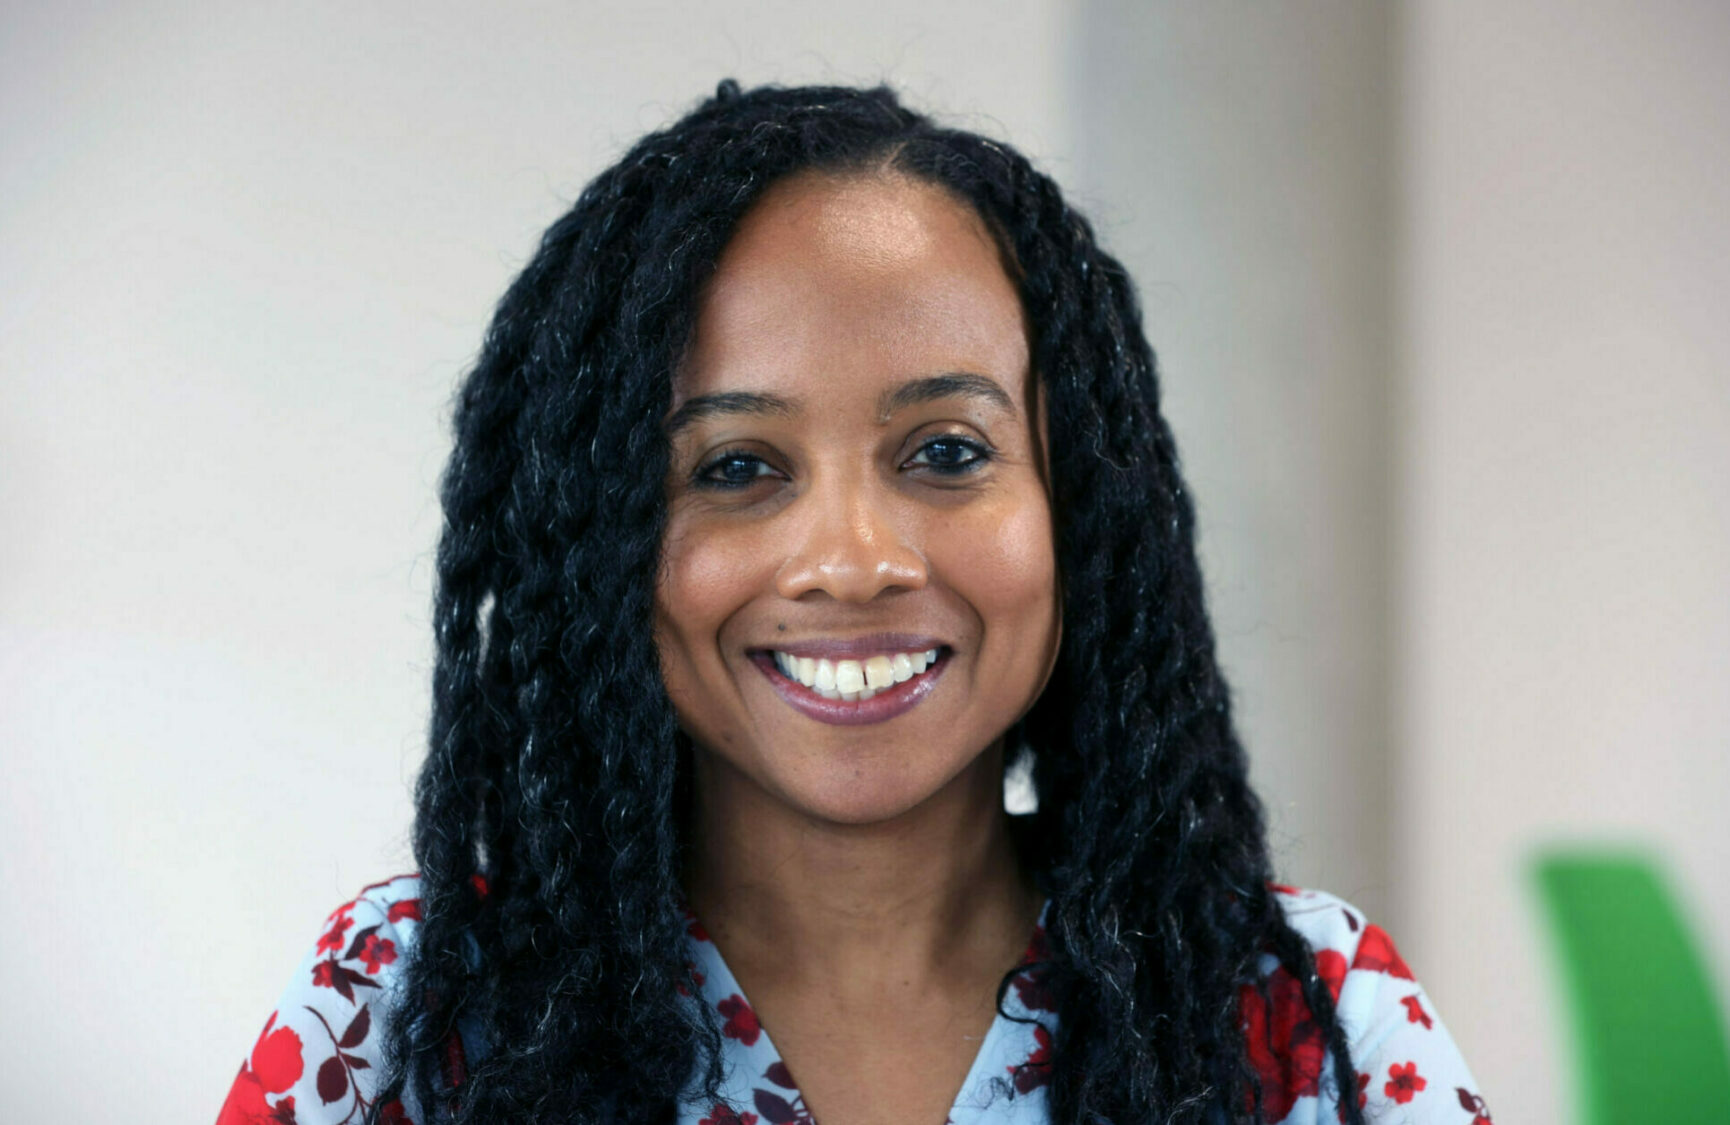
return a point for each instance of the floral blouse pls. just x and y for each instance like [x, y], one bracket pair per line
[318, 1059]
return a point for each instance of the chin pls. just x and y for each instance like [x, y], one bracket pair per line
[859, 798]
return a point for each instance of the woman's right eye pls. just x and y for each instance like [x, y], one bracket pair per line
[732, 470]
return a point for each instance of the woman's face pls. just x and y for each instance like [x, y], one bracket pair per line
[857, 482]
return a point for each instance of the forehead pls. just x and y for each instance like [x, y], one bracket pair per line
[831, 281]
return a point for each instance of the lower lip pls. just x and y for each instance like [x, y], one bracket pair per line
[894, 700]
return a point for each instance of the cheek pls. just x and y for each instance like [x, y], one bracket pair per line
[705, 577]
[1010, 568]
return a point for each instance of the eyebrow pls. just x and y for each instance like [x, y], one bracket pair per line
[728, 402]
[953, 384]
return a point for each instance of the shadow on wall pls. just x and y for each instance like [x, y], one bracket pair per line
[1649, 1041]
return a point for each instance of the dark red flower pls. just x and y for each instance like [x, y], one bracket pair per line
[1032, 985]
[741, 1020]
[407, 908]
[1415, 1011]
[725, 1115]
[1287, 1047]
[695, 929]
[324, 973]
[1473, 1104]
[1404, 1082]
[377, 952]
[392, 1113]
[1036, 1071]
[1376, 952]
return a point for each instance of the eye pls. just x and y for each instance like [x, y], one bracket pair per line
[950, 456]
[732, 469]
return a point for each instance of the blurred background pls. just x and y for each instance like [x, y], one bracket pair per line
[1439, 291]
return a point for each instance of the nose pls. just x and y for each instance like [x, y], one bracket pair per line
[848, 545]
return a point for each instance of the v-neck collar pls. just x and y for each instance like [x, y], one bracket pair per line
[1005, 1083]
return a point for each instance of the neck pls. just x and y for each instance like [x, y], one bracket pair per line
[935, 887]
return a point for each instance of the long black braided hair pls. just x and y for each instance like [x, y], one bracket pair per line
[550, 828]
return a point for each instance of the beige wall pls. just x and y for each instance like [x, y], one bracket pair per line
[1564, 446]
[1238, 156]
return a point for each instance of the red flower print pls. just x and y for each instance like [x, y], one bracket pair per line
[1404, 1082]
[333, 937]
[1287, 1047]
[696, 976]
[245, 1104]
[724, 1115]
[406, 908]
[1331, 967]
[1473, 1104]
[377, 953]
[741, 1020]
[1376, 952]
[276, 1057]
[275, 1065]
[696, 930]
[1415, 1012]
[1031, 985]
[324, 973]
[1283, 889]
[479, 883]
[1036, 1071]
[392, 1113]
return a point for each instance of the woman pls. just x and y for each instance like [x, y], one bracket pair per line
[812, 474]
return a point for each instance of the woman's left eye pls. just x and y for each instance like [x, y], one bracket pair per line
[950, 456]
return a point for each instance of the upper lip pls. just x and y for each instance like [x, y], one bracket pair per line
[854, 648]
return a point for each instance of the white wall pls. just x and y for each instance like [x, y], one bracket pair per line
[1564, 433]
[247, 253]
[1239, 157]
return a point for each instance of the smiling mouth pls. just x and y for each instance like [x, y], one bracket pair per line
[853, 680]
[853, 691]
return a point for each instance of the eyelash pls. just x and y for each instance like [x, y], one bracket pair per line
[980, 454]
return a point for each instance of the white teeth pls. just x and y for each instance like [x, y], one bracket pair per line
[854, 680]
[879, 673]
[849, 676]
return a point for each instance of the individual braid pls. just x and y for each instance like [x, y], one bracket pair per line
[556, 777]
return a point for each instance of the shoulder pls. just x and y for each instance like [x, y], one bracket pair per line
[1339, 935]
[1407, 1067]
[320, 1054]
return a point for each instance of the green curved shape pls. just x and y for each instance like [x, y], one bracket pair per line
[1648, 1033]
